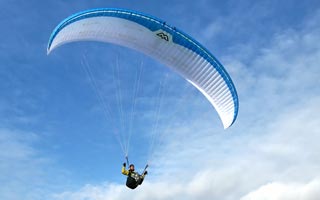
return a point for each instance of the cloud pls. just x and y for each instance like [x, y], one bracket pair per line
[286, 191]
[101, 192]
[280, 76]
[17, 165]
[25, 172]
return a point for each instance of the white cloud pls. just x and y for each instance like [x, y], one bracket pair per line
[286, 191]
[25, 173]
[212, 29]
[101, 192]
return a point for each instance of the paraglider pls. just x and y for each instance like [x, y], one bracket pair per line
[164, 43]
[157, 39]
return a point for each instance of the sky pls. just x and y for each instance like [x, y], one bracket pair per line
[57, 143]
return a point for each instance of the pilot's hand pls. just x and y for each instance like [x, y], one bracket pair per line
[124, 164]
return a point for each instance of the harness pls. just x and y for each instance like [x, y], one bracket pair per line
[134, 175]
[133, 180]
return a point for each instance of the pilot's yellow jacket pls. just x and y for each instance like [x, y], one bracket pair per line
[124, 171]
[133, 174]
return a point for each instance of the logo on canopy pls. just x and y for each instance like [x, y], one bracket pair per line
[164, 35]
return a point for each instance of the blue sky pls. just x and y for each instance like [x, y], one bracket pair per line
[55, 142]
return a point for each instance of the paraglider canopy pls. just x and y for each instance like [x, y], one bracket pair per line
[164, 43]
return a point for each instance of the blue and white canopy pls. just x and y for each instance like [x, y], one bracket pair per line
[162, 42]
